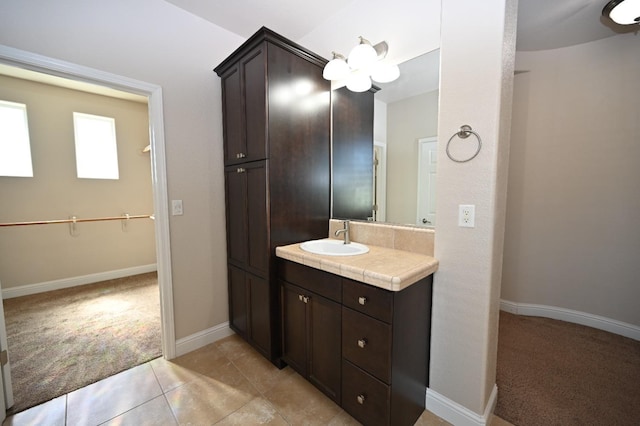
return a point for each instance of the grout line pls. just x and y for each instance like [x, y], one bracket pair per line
[262, 394]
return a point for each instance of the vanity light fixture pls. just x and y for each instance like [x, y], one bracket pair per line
[623, 12]
[365, 62]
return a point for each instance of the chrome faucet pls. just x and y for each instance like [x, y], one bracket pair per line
[344, 231]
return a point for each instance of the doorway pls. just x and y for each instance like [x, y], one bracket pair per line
[49, 66]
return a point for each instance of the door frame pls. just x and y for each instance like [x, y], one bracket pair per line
[422, 142]
[380, 183]
[39, 63]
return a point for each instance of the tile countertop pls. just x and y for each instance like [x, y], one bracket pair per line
[382, 267]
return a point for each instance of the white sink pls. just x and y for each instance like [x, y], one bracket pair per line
[331, 247]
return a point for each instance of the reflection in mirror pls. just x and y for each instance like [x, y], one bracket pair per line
[405, 134]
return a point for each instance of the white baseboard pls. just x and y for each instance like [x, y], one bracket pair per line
[28, 289]
[202, 338]
[457, 414]
[576, 317]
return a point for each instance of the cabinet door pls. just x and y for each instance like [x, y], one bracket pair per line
[253, 65]
[260, 320]
[244, 109]
[294, 327]
[258, 249]
[236, 209]
[247, 217]
[325, 345]
[238, 320]
[232, 114]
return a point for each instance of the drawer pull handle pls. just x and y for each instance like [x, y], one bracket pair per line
[240, 170]
[361, 398]
[362, 300]
[241, 155]
[362, 343]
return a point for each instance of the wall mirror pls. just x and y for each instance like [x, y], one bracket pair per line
[404, 155]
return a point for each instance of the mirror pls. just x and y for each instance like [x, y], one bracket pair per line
[405, 135]
[401, 184]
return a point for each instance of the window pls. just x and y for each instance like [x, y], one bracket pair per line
[15, 149]
[96, 150]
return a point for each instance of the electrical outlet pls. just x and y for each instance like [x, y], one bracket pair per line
[176, 207]
[467, 216]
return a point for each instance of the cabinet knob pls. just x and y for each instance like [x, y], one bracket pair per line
[362, 342]
[362, 300]
[240, 170]
[241, 155]
[300, 297]
[305, 299]
[361, 398]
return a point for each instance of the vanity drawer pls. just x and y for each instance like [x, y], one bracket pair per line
[315, 280]
[368, 299]
[366, 342]
[364, 397]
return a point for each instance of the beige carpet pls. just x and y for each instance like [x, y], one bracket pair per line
[63, 340]
[553, 372]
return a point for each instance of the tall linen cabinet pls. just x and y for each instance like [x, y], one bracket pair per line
[276, 118]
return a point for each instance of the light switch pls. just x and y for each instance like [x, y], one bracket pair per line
[176, 207]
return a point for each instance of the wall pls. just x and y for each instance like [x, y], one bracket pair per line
[156, 42]
[36, 254]
[475, 89]
[379, 121]
[407, 121]
[572, 235]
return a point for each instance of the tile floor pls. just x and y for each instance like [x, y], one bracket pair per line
[224, 383]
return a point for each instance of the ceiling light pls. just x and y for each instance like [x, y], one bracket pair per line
[359, 82]
[337, 68]
[364, 63]
[623, 12]
[384, 72]
[363, 55]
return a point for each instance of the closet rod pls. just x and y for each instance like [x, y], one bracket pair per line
[78, 220]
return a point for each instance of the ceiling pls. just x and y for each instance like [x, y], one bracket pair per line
[551, 24]
[542, 24]
[329, 25]
[53, 80]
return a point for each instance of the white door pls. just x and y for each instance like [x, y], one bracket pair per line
[379, 181]
[427, 162]
[6, 399]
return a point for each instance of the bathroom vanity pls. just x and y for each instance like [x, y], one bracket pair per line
[358, 328]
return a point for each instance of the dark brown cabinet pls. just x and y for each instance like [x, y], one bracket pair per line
[249, 311]
[246, 185]
[277, 172]
[244, 105]
[382, 338]
[312, 326]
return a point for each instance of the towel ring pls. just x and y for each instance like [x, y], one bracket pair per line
[464, 133]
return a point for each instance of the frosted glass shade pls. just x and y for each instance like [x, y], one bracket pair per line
[623, 12]
[336, 69]
[359, 82]
[385, 73]
[362, 56]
